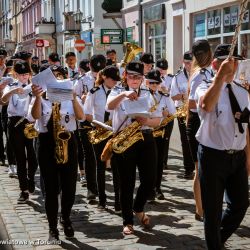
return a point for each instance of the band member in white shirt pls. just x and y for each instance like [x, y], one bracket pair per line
[94, 109]
[18, 103]
[200, 70]
[142, 153]
[179, 93]
[51, 119]
[224, 152]
[165, 105]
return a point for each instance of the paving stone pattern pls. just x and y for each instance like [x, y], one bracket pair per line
[173, 219]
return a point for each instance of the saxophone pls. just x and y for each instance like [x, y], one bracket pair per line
[29, 131]
[160, 130]
[100, 134]
[127, 137]
[61, 136]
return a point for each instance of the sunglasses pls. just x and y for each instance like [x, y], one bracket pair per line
[134, 77]
[158, 83]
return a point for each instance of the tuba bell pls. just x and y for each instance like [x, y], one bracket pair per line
[131, 51]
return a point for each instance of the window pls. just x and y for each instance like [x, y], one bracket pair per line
[214, 42]
[245, 23]
[230, 18]
[199, 25]
[214, 22]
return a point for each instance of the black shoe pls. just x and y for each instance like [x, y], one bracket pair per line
[188, 175]
[31, 186]
[3, 161]
[151, 197]
[24, 196]
[91, 196]
[159, 195]
[198, 217]
[53, 236]
[67, 228]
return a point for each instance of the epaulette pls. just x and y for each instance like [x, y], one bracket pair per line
[93, 90]
[118, 87]
[170, 75]
[81, 76]
[203, 71]
[13, 84]
[239, 85]
[164, 94]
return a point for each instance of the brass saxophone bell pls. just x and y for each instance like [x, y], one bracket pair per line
[29, 131]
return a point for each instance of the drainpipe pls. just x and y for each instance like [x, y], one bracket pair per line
[140, 24]
[54, 36]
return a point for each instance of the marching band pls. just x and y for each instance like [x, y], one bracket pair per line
[124, 113]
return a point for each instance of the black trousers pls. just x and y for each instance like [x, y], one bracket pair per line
[168, 132]
[101, 167]
[221, 173]
[24, 151]
[9, 151]
[80, 150]
[187, 157]
[142, 155]
[90, 161]
[57, 177]
[2, 154]
[192, 128]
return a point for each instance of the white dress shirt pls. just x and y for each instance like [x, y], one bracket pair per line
[218, 128]
[67, 113]
[84, 84]
[179, 86]
[18, 104]
[119, 114]
[95, 103]
[167, 82]
[196, 79]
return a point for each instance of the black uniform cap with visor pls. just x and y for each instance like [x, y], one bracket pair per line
[3, 53]
[147, 58]
[97, 62]
[22, 67]
[154, 76]
[162, 63]
[135, 68]
[222, 51]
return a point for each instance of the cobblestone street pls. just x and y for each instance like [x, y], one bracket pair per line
[173, 219]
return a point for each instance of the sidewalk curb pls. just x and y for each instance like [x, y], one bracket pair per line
[4, 235]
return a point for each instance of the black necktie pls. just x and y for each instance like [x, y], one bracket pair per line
[234, 106]
[106, 115]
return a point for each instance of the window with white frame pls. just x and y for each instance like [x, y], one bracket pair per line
[218, 26]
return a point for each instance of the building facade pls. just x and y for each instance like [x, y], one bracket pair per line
[168, 28]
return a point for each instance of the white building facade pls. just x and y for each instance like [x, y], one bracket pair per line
[168, 28]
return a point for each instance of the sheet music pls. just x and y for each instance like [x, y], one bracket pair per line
[60, 90]
[26, 91]
[139, 107]
[9, 80]
[43, 79]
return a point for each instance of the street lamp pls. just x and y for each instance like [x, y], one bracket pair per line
[78, 16]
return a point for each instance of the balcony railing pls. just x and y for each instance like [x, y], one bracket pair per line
[69, 23]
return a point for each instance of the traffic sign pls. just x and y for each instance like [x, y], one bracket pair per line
[80, 45]
[39, 43]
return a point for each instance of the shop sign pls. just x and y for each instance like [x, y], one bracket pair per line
[111, 36]
[87, 37]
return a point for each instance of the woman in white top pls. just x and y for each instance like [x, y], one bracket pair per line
[200, 70]
[18, 95]
[142, 153]
[57, 176]
[94, 109]
[165, 105]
